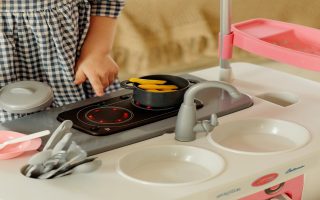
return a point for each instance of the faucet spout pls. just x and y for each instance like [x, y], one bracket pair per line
[186, 120]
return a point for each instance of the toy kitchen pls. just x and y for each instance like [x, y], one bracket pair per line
[243, 131]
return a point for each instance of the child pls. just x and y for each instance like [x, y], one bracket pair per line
[65, 43]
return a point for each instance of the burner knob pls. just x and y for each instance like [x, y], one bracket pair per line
[107, 130]
[94, 128]
[124, 97]
[102, 103]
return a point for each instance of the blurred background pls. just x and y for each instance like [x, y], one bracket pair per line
[179, 36]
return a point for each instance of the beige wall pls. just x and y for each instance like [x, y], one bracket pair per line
[167, 36]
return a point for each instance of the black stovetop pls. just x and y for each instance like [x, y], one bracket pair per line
[115, 115]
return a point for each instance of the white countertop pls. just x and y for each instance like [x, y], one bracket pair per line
[107, 183]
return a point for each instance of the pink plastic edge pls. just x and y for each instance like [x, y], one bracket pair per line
[281, 54]
[33, 145]
[227, 46]
[293, 188]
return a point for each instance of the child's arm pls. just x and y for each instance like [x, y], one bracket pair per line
[95, 62]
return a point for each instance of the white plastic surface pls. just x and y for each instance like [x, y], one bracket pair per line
[240, 171]
[226, 75]
[282, 98]
[171, 165]
[259, 136]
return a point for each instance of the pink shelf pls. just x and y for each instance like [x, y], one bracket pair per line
[284, 42]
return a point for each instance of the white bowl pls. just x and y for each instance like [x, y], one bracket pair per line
[259, 136]
[170, 165]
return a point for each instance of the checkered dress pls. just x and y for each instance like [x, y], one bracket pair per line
[41, 39]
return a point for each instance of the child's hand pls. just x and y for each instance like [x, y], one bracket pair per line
[95, 62]
[100, 69]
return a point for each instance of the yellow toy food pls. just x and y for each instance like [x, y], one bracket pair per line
[161, 91]
[158, 87]
[147, 81]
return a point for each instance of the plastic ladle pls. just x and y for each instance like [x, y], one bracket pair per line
[40, 157]
[83, 168]
[24, 138]
[81, 156]
[56, 136]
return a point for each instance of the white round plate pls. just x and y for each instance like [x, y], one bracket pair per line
[170, 165]
[259, 136]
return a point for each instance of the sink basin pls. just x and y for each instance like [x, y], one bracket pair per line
[259, 136]
[170, 165]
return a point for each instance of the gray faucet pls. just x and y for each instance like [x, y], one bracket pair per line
[186, 125]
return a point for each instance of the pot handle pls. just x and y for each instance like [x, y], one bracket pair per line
[125, 85]
[192, 81]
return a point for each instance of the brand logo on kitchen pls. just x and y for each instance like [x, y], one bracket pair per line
[294, 169]
[228, 192]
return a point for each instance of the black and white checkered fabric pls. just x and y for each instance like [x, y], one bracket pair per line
[41, 39]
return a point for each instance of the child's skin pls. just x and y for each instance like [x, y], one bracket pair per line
[95, 62]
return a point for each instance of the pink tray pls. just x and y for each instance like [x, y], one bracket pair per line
[14, 150]
[289, 43]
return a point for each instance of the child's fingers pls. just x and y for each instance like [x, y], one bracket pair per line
[96, 85]
[105, 81]
[80, 77]
[108, 80]
[111, 78]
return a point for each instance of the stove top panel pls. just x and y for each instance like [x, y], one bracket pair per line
[214, 101]
[115, 115]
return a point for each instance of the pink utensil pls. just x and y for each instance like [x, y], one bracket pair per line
[24, 138]
[14, 150]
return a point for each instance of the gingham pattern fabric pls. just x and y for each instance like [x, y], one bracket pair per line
[41, 40]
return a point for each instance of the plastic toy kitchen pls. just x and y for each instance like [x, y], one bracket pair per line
[253, 138]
